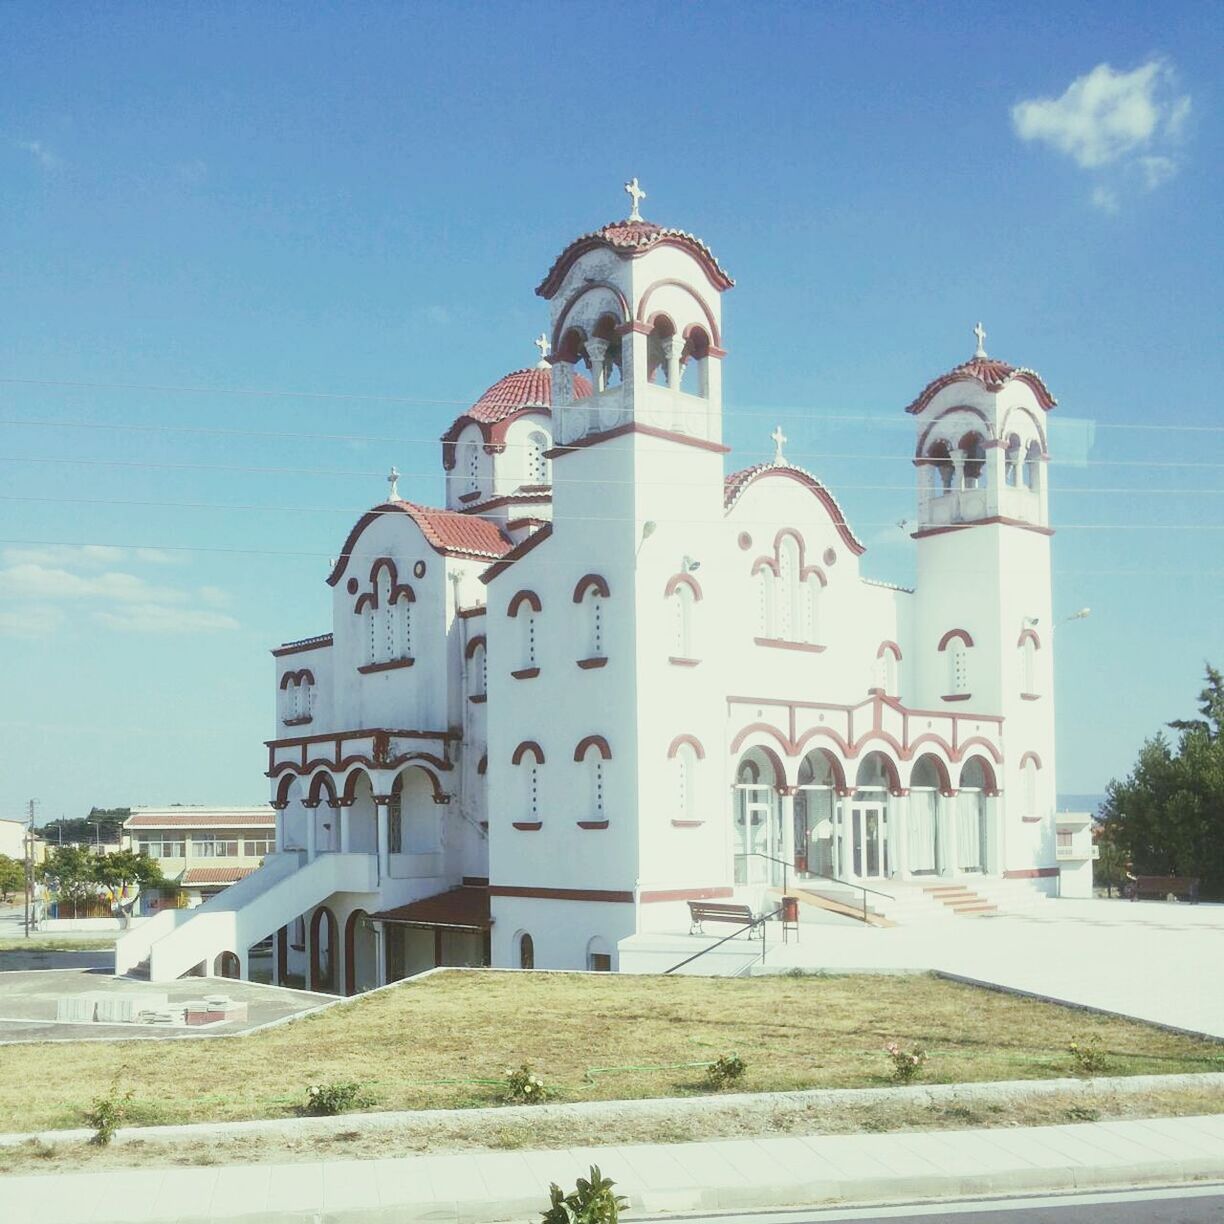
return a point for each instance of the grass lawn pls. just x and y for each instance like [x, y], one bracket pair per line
[448, 1041]
[57, 943]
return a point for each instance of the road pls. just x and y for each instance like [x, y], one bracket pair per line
[1185, 1205]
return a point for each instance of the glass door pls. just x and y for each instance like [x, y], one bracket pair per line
[758, 838]
[869, 841]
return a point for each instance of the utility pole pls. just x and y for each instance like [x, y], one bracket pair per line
[29, 864]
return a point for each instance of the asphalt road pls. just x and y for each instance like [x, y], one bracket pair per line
[1187, 1205]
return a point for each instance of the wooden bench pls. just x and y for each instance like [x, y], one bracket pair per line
[1163, 886]
[716, 911]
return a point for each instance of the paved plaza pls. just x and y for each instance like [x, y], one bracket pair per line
[29, 1001]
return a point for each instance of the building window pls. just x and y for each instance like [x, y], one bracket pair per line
[395, 818]
[958, 667]
[526, 951]
[686, 770]
[765, 581]
[1064, 839]
[1029, 645]
[477, 669]
[401, 615]
[524, 608]
[537, 464]
[473, 467]
[258, 847]
[529, 759]
[591, 754]
[1028, 786]
[599, 956]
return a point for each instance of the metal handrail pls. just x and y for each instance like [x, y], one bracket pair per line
[759, 921]
[820, 876]
[786, 867]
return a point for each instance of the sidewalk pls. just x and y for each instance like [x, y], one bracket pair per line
[482, 1187]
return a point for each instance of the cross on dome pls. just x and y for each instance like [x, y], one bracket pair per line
[637, 195]
[980, 332]
[779, 440]
[393, 480]
[542, 343]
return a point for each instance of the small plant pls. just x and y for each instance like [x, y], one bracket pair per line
[525, 1087]
[906, 1064]
[725, 1070]
[1087, 1056]
[591, 1203]
[326, 1100]
[1083, 1113]
[106, 1115]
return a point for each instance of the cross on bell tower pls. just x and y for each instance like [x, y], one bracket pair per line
[980, 332]
[637, 195]
[779, 441]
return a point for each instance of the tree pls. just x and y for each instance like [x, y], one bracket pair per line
[69, 873]
[12, 876]
[124, 869]
[1167, 816]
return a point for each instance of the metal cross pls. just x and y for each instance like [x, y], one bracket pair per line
[637, 195]
[393, 481]
[980, 332]
[541, 342]
[779, 440]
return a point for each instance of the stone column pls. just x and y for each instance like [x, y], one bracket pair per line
[312, 829]
[787, 796]
[341, 811]
[950, 843]
[279, 806]
[673, 348]
[898, 834]
[380, 954]
[597, 351]
[383, 806]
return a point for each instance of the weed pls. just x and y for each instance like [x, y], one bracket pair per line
[726, 1070]
[591, 1203]
[326, 1100]
[906, 1064]
[1087, 1057]
[524, 1087]
[106, 1115]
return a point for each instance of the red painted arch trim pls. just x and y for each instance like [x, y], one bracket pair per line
[1029, 636]
[671, 283]
[482, 766]
[588, 582]
[593, 741]
[516, 553]
[835, 765]
[765, 563]
[766, 729]
[478, 642]
[818, 490]
[560, 329]
[988, 768]
[1030, 756]
[692, 741]
[305, 676]
[963, 634]
[322, 786]
[889, 646]
[524, 597]
[368, 600]
[941, 770]
[528, 746]
[977, 412]
[685, 580]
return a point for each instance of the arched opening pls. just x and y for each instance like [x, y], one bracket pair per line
[695, 363]
[538, 466]
[599, 955]
[864, 848]
[1032, 466]
[975, 460]
[360, 953]
[662, 353]
[757, 818]
[928, 782]
[939, 457]
[324, 936]
[415, 827]
[604, 353]
[361, 815]
[977, 782]
[820, 779]
[1011, 461]
[227, 965]
[526, 951]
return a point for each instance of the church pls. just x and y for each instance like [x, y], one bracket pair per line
[616, 674]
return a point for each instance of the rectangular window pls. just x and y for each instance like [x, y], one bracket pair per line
[203, 847]
[258, 848]
[1064, 839]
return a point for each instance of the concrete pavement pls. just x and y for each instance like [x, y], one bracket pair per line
[726, 1175]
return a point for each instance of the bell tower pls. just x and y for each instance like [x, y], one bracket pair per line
[638, 306]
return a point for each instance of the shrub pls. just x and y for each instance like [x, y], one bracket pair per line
[725, 1070]
[326, 1100]
[591, 1203]
[524, 1087]
[106, 1115]
[906, 1064]
[1087, 1057]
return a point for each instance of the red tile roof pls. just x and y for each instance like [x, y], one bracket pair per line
[459, 909]
[209, 818]
[631, 239]
[215, 875]
[736, 483]
[989, 373]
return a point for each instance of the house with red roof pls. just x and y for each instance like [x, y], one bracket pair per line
[615, 679]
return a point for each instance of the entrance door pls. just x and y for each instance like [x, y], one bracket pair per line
[868, 841]
[758, 841]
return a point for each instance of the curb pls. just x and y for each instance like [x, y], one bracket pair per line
[761, 1103]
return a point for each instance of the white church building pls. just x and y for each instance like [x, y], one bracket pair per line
[616, 674]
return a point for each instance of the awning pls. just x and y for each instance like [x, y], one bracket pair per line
[460, 909]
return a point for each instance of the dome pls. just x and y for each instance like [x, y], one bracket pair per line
[991, 375]
[518, 392]
[629, 239]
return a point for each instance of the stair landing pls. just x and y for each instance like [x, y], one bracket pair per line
[961, 900]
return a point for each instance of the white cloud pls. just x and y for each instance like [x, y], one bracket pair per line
[215, 595]
[154, 618]
[1123, 126]
[83, 556]
[30, 620]
[40, 153]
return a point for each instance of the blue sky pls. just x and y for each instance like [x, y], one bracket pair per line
[357, 201]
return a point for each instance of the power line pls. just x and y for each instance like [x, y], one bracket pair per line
[371, 474]
[374, 397]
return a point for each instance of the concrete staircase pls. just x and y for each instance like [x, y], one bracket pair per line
[961, 900]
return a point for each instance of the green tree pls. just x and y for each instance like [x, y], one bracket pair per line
[69, 873]
[125, 869]
[12, 876]
[1167, 816]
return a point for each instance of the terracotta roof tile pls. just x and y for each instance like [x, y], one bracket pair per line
[208, 819]
[633, 238]
[991, 374]
[463, 908]
[215, 875]
[518, 390]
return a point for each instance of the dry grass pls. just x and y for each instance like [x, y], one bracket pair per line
[447, 1042]
[57, 943]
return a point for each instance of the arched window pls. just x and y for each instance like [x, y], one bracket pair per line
[810, 598]
[599, 956]
[1032, 466]
[524, 607]
[940, 458]
[526, 950]
[395, 817]
[958, 667]
[591, 754]
[695, 371]
[1029, 645]
[766, 602]
[537, 465]
[477, 669]
[1028, 787]
[385, 645]
[686, 777]
[401, 616]
[790, 611]
[888, 669]
[473, 467]
[682, 601]
[529, 759]
[370, 632]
